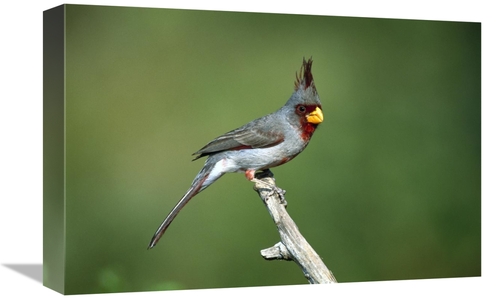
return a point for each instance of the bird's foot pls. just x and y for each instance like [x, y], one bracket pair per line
[280, 192]
[281, 195]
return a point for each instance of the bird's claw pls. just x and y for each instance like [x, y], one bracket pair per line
[280, 192]
[281, 195]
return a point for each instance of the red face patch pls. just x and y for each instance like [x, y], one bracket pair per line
[307, 127]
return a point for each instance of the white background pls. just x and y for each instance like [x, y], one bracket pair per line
[21, 145]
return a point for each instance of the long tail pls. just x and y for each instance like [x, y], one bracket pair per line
[202, 180]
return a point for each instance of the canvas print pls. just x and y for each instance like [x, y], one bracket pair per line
[371, 129]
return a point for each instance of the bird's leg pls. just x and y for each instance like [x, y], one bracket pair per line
[267, 173]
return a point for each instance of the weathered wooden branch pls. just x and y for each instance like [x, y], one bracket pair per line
[293, 246]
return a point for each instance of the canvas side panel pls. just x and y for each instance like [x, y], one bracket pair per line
[53, 149]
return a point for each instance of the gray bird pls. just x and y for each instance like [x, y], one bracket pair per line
[266, 142]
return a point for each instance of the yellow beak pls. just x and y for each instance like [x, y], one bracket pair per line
[315, 117]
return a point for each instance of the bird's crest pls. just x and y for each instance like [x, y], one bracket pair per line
[304, 76]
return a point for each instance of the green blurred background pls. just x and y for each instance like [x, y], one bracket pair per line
[389, 187]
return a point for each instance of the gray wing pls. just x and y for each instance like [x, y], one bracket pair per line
[256, 134]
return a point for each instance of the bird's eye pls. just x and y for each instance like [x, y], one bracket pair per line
[301, 109]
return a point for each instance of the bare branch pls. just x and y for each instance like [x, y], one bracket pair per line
[293, 245]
